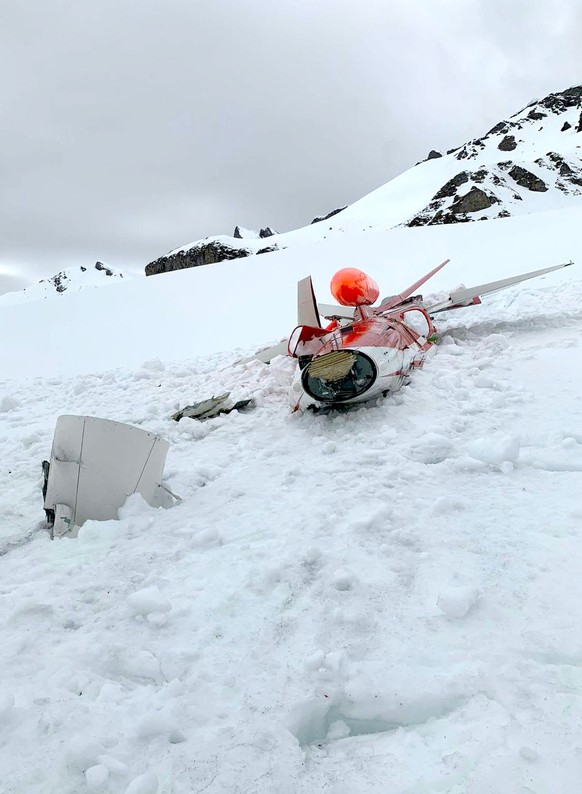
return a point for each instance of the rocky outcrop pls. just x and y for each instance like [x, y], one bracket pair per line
[204, 253]
[329, 215]
[507, 144]
[473, 201]
[525, 178]
[240, 233]
[106, 270]
[566, 126]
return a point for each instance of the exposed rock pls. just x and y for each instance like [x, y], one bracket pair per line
[450, 187]
[268, 250]
[267, 232]
[473, 201]
[556, 103]
[101, 266]
[237, 233]
[566, 126]
[579, 127]
[201, 254]
[470, 150]
[535, 115]
[525, 178]
[329, 215]
[498, 128]
[433, 155]
[569, 174]
[508, 144]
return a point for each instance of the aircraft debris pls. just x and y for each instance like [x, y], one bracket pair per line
[213, 406]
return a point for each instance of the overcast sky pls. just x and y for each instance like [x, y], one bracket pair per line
[129, 128]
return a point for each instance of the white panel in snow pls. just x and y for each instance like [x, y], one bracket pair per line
[97, 463]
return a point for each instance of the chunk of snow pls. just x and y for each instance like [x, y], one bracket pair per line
[144, 602]
[96, 777]
[456, 602]
[144, 784]
[495, 450]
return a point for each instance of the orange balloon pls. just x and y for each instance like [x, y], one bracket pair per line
[352, 287]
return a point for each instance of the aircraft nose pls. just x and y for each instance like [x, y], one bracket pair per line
[339, 376]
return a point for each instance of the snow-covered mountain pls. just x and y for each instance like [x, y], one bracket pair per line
[73, 279]
[386, 599]
[530, 163]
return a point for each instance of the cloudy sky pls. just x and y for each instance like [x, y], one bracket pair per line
[130, 127]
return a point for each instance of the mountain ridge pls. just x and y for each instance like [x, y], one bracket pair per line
[518, 170]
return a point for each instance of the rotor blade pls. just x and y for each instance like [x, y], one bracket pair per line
[465, 296]
[307, 313]
[395, 300]
[270, 352]
[330, 311]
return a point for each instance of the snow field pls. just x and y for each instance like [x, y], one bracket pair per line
[384, 599]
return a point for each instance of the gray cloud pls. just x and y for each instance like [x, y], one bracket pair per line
[130, 127]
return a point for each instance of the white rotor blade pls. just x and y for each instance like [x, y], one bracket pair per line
[463, 297]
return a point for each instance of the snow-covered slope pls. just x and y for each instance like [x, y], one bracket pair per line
[529, 163]
[72, 280]
[250, 303]
[386, 599]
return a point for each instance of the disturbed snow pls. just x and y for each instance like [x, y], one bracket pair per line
[387, 599]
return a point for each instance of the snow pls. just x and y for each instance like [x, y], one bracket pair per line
[384, 599]
[342, 602]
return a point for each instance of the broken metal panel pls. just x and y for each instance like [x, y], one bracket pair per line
[96, 464]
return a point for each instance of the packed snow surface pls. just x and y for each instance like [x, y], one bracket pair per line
[385, 599]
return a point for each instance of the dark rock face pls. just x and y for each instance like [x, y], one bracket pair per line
[268, 250]
[473, 201]
[470, 150]
[450, 187]
[508, 144]
[566, 126]
[579, 127]
[441, 210]
[570, 178]
[329, 215]
[498, 128]
[535, 115]
[198, 255]
[101, 266]
[267, 232]
[525, 178]
[433, 155]
[556, 103]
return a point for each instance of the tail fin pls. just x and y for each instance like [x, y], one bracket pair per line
[307, 313]
[467, 296]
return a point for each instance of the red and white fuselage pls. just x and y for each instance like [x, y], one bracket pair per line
[366, 350]
[360, 359]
